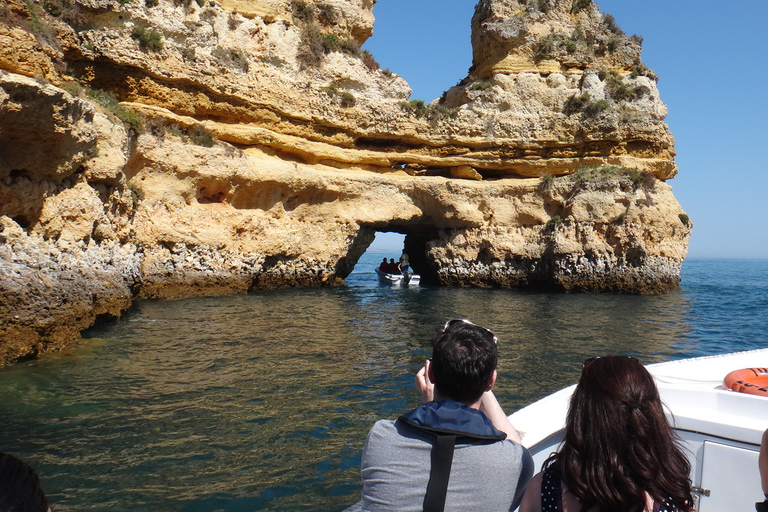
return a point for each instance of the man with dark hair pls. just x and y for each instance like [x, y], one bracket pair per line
[458, 451]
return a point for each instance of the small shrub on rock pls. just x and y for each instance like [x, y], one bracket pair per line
[350, 47]
[201, 137]
[68, 11]
[36, 21]
[73, 87]
[348, 100]
[629, 115]
[369, 60]
[439, 112]
[554, 222]
[330, 89]
[545, 47]
[595, 107]
[642, 70]
[547, 181]
[580, 5]
[614, 42]
[303, 12]
[577, 103]
[605, 173]
[326, 13]
[610, 23]
[415, 107]
[585, 104]
[552, 45]
[156, 127]
[103, 98]
[148, 39]
[620, 91]
[311, 49]
[130, 118]
[480, 86]
[641, 179]
[331, 43]
[594, 174]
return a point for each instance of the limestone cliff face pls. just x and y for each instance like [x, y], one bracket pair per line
[172, 148]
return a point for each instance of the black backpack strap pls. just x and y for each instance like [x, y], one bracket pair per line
[446, 421]
[762, 506]
[437, 488]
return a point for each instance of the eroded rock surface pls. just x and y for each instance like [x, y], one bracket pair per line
[165, 149]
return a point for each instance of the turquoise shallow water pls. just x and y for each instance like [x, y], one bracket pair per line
[262, 402]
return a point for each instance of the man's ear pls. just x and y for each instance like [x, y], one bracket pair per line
[493, 381]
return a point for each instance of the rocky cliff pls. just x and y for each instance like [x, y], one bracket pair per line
[173, 148]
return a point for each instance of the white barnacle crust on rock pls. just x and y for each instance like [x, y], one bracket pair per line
[165, 148]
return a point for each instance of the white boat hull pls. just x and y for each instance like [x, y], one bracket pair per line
[719, 429]
[397, 279]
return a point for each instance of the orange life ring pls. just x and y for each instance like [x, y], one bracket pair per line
[748, 380]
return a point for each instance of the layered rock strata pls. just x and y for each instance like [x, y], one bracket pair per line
[166, 149]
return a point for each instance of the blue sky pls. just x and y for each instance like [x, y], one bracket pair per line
[712, 62]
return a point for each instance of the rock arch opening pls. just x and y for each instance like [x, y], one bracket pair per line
[414, 240]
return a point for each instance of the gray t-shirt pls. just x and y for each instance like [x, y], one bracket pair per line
[396, 464]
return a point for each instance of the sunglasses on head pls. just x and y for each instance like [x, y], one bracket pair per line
[593, 359]
[451, 323]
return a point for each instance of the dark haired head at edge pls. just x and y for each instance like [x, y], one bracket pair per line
[20, 489]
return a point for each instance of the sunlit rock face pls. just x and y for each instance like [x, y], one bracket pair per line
[170, 148]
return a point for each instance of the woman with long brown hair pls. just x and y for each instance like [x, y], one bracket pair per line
[619, 453]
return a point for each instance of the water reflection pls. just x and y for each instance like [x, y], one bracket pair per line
[262, 402]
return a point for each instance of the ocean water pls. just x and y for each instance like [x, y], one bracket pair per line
[262, 402]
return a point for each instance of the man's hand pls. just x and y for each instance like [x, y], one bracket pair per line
[491, 408]
[423, 384]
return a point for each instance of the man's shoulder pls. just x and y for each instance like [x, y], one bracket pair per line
[394, 429]
[382, 427]
[504, 448]
[383, 423]
[517, 451]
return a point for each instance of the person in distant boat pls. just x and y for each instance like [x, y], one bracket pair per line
[393, 268]
[619, 452]
[458, 451]
[20, 489]
[762, 463]
[404, 266]
[384, 267]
